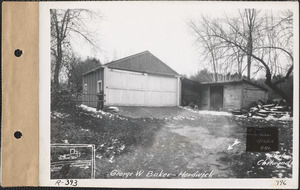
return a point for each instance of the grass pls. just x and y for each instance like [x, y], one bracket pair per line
[112, 135]
[130, 144]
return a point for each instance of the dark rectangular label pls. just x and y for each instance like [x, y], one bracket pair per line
[262, 139]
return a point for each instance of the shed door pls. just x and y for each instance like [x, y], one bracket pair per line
[216, 97]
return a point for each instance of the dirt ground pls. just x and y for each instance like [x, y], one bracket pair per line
[192, 141]
[176, 142]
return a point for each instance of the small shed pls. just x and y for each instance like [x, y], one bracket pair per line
[229, 95]
[138, 80]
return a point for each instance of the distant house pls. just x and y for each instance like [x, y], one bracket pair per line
[138, 80]
[223, 95]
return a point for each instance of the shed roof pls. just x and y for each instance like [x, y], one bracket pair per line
[93, 70]
[235, 82]
[142, 62]
[190, 82]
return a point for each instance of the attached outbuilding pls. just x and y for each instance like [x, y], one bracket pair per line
[190, 92]
[229, 95]
[138, 80]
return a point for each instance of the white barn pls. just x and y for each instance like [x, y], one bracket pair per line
[138, 80]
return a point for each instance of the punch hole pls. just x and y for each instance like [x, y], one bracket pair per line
[18, 53]
[18, 134]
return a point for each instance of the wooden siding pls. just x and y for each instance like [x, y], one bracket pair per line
[91, 79]
[204, 98]
[190, 92]
[251, 94]
[236, 95]
[232, 96]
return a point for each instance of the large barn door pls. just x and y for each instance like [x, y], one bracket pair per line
[125, 88]
[138, 89]
[162, 91]
[216, 97]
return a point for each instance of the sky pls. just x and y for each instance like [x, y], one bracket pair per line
[126, 28]
[160, 28]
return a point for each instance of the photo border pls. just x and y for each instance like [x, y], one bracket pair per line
[44, 107]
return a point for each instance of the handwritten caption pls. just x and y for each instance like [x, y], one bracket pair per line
[281, 182]
[277, 160]
[66, 182]
[262, 139]
[161, 174]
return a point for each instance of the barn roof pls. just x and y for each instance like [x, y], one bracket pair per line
[235, 82]
[142, 62]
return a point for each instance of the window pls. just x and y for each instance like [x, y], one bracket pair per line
[99, 86]
[85, 89]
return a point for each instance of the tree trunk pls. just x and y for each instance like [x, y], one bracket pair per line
[58, 57]
[287, 98]
[57, 67]
[249, 49]
[248, 67]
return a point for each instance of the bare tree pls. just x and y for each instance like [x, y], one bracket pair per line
[249, 23]
[263, 38]
[224, 57]
[67, 25]
[209, 45]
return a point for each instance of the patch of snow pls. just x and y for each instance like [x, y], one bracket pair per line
[179, 118]
[111, 159]
[122, 147]
[94, 110]
[98, 156]
[65, 141]
[112, 108]
[85, 130]
[285, 117]
[87, 108]
[207, 112]
[254, 117]
[60, 115]
[100, 113]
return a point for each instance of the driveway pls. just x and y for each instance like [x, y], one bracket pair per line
[184, 148]
[194, 144]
